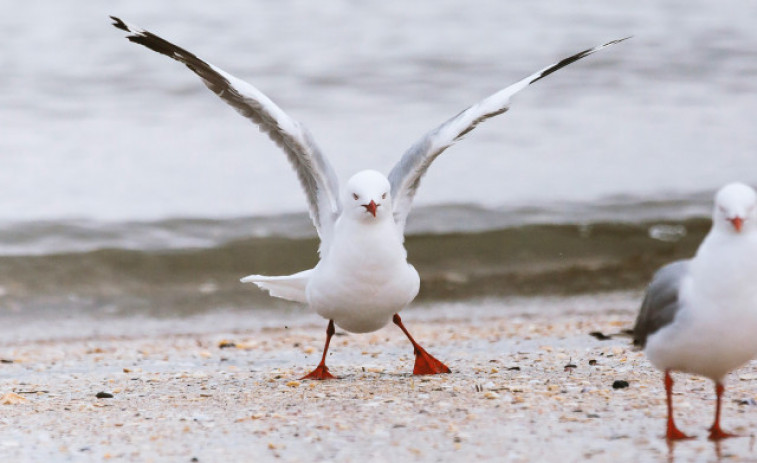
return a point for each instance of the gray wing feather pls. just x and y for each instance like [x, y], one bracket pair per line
[315, 174]
[661, 303]
[406, 174]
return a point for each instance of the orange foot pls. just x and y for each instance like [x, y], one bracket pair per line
[320, 373]
[717, 434]
[674, 433]
[426, 364]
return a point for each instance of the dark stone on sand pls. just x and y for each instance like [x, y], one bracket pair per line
[619, 384]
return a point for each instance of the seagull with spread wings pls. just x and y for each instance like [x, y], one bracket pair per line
[363, 278]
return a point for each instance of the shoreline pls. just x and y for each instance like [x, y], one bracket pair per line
[199, 277]
[178, 396]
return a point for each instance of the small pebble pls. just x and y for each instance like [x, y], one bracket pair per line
[619, 384]
[104, 395]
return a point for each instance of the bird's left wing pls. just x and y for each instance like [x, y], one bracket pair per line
[315, 173]
[406, 174]
[661, 301]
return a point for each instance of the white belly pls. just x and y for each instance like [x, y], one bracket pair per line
[704, 347]
[714, 332]
[363, 281]
[361, 303]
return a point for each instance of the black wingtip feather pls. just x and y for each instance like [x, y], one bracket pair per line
[158, 44]
[576, 57]
[117, 22]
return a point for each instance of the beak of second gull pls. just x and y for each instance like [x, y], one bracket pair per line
[737, 223]
[371, 207]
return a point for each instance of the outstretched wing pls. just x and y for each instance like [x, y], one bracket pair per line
[406, 175]
[316, 175]
[661, 303]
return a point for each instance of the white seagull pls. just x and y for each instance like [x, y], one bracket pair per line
[699, 315]
[363, 278]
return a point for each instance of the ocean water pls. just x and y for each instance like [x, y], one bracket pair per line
[127, 186]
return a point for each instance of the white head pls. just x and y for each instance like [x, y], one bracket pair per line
[735, 208]
[367, 196]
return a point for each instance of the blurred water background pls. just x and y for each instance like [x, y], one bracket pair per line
[129, 188]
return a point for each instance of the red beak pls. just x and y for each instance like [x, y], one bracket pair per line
[371, 207]
[737, 222]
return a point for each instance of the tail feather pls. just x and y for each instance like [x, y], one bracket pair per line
[290, 287]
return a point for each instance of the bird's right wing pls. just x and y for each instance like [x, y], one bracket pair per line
[661, 302]
[315, 173]
[406, 174]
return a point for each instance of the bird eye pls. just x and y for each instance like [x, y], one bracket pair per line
[383, 196]
[354, 195]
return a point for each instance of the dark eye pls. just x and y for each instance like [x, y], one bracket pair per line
[354, 195]
[383, 196]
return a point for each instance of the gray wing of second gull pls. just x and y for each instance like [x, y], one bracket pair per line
[315, 173]
[406, 174]
[661, 303]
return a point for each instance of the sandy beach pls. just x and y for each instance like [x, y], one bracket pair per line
[225, 388]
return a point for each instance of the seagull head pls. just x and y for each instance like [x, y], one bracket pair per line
[735, 208]
[367, 196]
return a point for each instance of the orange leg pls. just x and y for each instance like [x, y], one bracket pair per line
[321, 372]
[425, 363]
[715, 432]
[673, 433]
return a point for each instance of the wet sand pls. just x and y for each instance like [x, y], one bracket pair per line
[177, 395]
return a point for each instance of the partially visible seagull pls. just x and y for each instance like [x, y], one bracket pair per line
[362, 279]
[699, 315]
